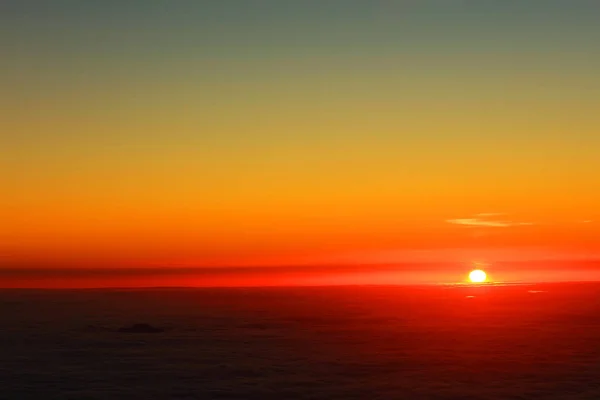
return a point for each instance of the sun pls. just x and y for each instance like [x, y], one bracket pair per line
[477, 276]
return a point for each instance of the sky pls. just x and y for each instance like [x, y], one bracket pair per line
[234, 133]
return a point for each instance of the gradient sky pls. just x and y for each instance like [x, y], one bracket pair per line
[269, 132]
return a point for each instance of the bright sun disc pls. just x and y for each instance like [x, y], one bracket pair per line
[477, 276]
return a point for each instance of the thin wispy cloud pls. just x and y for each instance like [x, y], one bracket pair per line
[482, 219]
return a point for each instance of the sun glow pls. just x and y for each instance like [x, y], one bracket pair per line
[477, 276]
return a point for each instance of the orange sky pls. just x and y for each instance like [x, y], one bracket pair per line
[211, 136]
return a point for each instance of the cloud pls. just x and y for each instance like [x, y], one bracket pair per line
[478, 220]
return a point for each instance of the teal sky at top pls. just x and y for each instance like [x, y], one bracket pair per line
[116, 53]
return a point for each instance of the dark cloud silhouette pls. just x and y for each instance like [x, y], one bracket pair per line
[140, 328]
